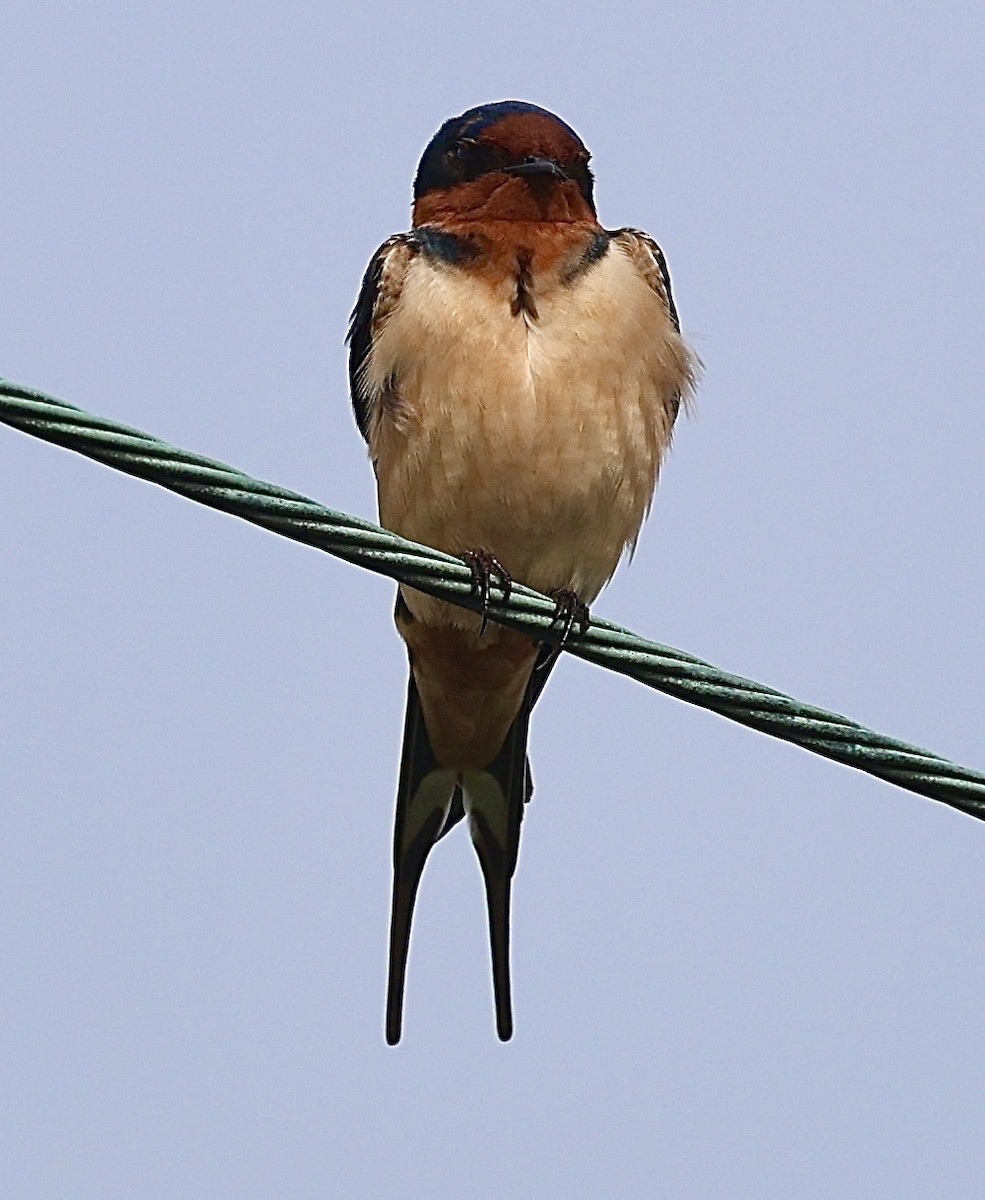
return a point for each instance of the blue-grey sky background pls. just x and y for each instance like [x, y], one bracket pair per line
[740, 970]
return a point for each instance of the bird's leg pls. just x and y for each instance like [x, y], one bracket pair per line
[569, 610]
[485, 567]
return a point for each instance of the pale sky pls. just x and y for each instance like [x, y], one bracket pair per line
[739, 970]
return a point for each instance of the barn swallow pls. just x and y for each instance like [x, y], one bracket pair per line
[516, 371]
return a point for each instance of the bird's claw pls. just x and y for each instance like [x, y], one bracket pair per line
[569, 610]
[485, 567]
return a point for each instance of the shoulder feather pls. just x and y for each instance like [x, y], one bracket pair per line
[379, 294]
[648, 258]
[650, 261]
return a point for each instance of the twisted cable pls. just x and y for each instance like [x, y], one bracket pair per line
[668, 670]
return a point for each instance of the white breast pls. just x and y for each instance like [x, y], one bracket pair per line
[536, 439]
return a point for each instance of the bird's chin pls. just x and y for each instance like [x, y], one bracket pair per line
[500, 196]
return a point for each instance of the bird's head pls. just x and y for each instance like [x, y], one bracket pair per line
[505, 161]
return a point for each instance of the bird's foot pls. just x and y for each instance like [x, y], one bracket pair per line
[569, 610]
[485, 567]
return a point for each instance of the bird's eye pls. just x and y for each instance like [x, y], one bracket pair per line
[461, 149]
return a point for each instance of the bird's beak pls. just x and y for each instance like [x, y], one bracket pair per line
[537, 166]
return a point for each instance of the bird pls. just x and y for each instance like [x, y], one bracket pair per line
[516, 370]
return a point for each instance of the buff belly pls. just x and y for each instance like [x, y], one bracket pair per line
[538, 439]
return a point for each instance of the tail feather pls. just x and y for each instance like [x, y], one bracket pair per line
[494, 800]
[431, 800]
[542, 670]
[423, 800]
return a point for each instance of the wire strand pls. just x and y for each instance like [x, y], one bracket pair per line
[671, 671]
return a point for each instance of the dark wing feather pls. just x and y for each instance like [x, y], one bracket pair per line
[378, 294]
[650, 259]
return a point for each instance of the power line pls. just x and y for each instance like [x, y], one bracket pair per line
[668, 670]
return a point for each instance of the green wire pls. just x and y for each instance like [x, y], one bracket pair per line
[671, 671]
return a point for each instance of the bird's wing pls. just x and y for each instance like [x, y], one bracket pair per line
[651, 264]
[379, 294]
